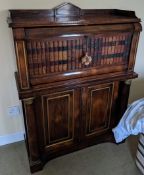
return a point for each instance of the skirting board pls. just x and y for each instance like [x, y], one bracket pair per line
[11, 138]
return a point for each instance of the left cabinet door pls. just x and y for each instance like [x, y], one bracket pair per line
[57, 121]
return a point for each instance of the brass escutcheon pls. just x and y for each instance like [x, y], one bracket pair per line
[86, 60]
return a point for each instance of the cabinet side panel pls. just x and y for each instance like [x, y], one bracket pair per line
[22, 64]
[133, 51]
[30, 122]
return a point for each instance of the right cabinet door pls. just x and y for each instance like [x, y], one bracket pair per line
[98, 105]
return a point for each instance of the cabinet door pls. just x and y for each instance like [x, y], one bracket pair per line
[98, 103]
[58, 125]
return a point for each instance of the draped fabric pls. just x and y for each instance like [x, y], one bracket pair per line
[132, 122]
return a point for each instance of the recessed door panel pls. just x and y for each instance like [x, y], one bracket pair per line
[98, 105]
[59, 122]
[58, 118]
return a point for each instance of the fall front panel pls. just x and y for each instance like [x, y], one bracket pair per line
[71, 54]
[64, 54]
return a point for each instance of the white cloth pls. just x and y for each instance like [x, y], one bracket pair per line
[132, 122]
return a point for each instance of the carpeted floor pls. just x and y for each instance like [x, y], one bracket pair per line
[103, 159]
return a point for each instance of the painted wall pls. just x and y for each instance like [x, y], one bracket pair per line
[8, 91]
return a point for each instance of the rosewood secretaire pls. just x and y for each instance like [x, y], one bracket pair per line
[74, 72]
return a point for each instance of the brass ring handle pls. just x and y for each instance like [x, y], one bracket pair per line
[86, 60]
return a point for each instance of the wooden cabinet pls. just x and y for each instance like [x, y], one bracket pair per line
[74, 71]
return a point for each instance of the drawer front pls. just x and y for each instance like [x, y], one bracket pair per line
[68, 55]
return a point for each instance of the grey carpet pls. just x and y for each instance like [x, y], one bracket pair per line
[102, 159]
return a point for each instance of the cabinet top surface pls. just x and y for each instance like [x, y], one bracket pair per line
[68, 14]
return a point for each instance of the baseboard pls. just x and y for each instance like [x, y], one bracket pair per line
[11, 138]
